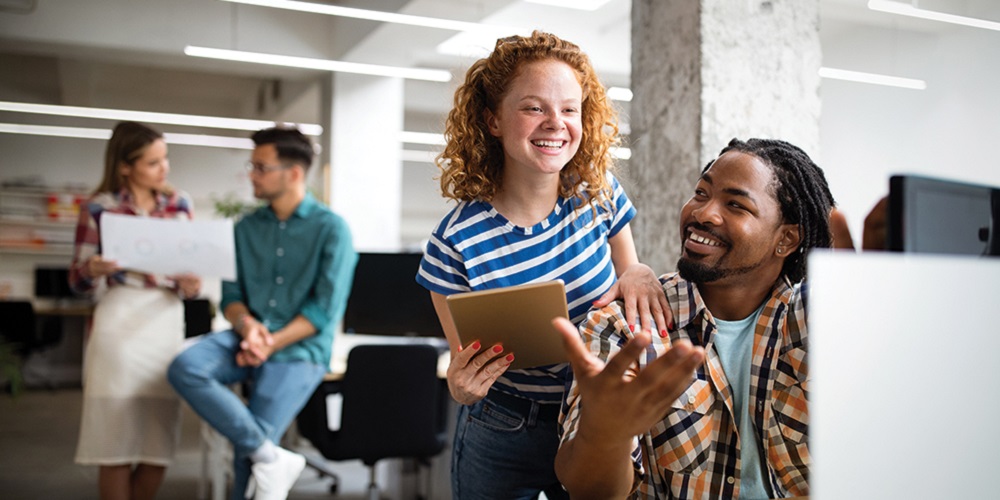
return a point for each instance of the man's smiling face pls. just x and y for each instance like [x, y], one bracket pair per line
[731, 227]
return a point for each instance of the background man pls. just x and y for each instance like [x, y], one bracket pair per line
[295, 263]
[740, 428]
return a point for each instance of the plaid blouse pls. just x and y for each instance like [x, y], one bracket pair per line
[694, 452]
[88, 236]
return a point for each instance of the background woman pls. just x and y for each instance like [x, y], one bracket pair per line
[528, 159]
[131, 416]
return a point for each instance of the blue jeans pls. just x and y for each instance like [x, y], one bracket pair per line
[202, 373]
[505, 451]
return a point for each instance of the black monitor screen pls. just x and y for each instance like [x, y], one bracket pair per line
[386, 299]
[52, 283]
[939, 216]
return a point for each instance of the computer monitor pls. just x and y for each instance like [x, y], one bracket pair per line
[386, 299]
[52, 283]
[903, 401]
[928, 215]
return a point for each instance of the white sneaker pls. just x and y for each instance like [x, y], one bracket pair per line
[273, 480]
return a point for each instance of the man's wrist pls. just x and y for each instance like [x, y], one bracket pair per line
[239, 326]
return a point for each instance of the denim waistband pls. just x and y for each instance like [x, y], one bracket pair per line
[548, 412]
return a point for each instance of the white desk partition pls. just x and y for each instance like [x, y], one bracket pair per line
[905, 376]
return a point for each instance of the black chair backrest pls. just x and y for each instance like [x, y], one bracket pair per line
[393, 406]
[197, 317]
[18, 325]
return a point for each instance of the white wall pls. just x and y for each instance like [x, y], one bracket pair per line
[869, 132]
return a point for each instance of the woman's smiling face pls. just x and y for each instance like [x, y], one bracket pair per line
[538, 120]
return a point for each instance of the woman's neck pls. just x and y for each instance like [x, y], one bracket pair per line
[528, 202]
[144, 199]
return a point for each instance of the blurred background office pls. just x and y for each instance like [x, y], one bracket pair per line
[65, 64]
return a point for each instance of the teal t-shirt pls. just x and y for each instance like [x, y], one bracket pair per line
[734, 344]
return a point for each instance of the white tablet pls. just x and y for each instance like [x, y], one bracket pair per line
[518, 317]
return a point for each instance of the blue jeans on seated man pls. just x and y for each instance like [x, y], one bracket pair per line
[202, 373]
[506, 449]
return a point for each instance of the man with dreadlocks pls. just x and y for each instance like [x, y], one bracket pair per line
[636, 424]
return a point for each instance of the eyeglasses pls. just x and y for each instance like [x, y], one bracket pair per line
[260, 169]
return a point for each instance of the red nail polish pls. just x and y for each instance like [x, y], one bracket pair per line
[475, 346]
[510, 357]
[497, 349]
[631, 328]
[671, 325]
[663, 334]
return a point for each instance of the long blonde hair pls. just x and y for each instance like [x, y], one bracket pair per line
[128, 143]
[472, 161]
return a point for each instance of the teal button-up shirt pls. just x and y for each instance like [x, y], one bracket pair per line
[303, 265]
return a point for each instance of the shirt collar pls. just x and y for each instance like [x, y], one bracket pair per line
[302, 211]
[690, 305]
[126, 199]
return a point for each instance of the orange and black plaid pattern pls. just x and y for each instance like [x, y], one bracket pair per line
[694, 452]
[88, 236]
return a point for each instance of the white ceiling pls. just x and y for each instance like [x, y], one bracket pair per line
[127, 53]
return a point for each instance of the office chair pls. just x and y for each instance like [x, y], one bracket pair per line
[19, 331]
[394, 406]
[19, 326]
[197, 317]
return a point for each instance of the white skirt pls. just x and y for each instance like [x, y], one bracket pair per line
[130, 412]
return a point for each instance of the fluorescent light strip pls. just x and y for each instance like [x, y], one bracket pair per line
[572, 4]
[620, 94]
[621, 153]
[373, 15]
[213, 141]
[875, 78]
[419, 156]
[430, 139]
[150, 117]
[433, 75]
[105, 134]
[911, 11]
[47, 130]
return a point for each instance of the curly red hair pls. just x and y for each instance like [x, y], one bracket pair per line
[472, 161]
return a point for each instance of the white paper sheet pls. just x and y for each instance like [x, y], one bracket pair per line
[170, 246]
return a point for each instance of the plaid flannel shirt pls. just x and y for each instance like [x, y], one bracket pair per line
[694, 452]
[88, 236]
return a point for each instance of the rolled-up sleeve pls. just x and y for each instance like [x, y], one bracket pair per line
[336, 274]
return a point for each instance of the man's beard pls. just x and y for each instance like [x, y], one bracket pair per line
[696, 272]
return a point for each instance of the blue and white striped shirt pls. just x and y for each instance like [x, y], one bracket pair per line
[476, 248]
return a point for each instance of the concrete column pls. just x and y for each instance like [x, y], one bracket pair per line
[704, 72]
[364, 117]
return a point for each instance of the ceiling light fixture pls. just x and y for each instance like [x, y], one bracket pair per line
[151, 117]
[372, 15]
[619, 94]
[433, 75]
[573, 4]
[105, 134]
[428, 138]
[904, 9]
[875, 78]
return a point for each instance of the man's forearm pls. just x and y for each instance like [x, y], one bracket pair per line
[296, 329]
[236, 313]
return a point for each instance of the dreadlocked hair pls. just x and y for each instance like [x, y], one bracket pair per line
[802, 192]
